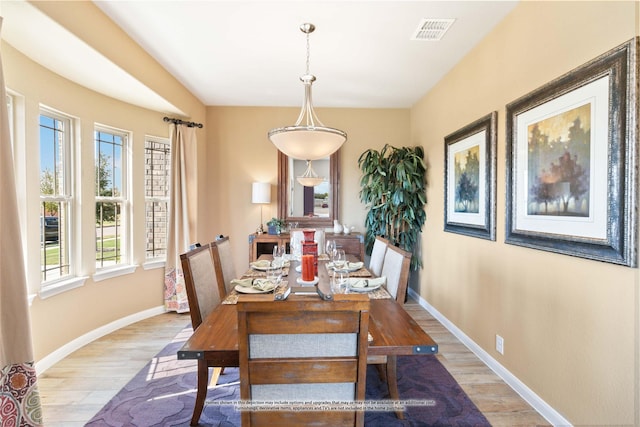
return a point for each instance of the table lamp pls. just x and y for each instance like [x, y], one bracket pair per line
[261, 193]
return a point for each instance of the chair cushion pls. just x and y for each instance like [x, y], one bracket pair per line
[302, 345]
[377, 257]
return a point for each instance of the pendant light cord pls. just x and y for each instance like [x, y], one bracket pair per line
[308, 54]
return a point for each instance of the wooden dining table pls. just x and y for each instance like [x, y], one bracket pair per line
[393, 332]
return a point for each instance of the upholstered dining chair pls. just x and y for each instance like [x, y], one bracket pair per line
[377, 255]
[396, 268]
[223, 259]
[204, 292]
[303, 351]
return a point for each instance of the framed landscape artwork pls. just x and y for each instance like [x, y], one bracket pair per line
[572, 160]
[470, 179]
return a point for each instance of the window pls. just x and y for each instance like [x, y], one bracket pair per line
[56, 196]
[112, 204]
[11, 115]
[157, 169]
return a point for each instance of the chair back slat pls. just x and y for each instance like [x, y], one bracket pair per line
[307, 370]
[223, 258]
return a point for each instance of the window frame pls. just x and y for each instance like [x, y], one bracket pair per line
[68, 197]
[124, 266]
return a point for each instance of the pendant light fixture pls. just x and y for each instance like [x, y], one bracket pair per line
[308, 139]
[310, 178]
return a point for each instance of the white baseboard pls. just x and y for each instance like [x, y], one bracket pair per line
[544, 409]
[52, 358]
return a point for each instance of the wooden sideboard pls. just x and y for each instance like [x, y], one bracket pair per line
[260, 244]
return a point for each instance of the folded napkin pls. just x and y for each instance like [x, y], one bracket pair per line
[355, 282]
[355, 265]
[260, 284]
[245, 283]
[264, 284]
[350, 265]
[284, 263]
[263, 263]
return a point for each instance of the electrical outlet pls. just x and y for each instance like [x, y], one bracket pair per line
[499, 344]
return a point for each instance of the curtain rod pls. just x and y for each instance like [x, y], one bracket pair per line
[181, 122]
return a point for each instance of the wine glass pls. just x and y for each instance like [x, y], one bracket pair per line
[278, 254]
[339, 259]
[296, 248]
[330, 248]
[274, 274]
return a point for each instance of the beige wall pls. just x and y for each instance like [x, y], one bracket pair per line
[239, 153]
[570, 325]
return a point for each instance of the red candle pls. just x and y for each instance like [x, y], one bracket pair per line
[307, 268]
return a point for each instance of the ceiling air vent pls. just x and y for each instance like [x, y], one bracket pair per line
[432, 29]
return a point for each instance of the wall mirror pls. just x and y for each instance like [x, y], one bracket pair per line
[308, 206]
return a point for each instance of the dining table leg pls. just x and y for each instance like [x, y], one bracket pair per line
[392, 382]
[201, 393]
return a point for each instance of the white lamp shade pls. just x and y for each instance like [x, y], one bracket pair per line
[261, 192]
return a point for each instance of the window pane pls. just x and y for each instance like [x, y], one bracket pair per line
[108, 234]
[51, 156]
[54, 244]
[157, 166]
[156, 188]
[109, 166]
[156, 229]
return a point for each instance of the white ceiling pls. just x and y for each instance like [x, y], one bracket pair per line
[252, 53]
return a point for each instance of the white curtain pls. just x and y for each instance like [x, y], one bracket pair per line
[183, 207]
[19, 397]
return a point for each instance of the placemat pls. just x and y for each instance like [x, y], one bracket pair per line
[232, 297]
[380, 293]
[363, 272]
[257, 273]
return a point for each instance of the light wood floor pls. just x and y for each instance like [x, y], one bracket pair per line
[76, 388]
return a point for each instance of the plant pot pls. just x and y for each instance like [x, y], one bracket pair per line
[273, 229]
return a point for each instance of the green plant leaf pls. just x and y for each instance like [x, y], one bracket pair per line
[393, 187]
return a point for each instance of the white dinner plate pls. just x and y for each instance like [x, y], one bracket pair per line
[369, 288]
[349, 269]
[265, 268]
[251, 290]
[260, 268]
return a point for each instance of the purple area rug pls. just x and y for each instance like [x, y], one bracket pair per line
[163, 394]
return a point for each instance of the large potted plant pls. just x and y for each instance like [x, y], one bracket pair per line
[393, 187]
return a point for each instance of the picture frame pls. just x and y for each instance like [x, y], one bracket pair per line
[470, 179]
[571, 162]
